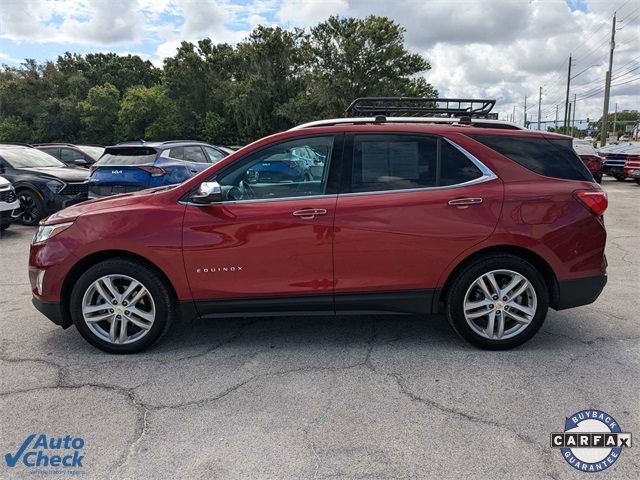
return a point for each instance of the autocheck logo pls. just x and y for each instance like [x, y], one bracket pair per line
[592, 440]
[44, 454]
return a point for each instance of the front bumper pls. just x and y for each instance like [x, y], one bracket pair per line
[579, 291]
[53, 311]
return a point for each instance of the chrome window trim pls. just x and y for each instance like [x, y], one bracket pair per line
[487, 176]
[260, 200]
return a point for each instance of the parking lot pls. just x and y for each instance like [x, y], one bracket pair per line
[320, 397]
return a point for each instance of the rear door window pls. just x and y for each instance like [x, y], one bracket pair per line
[402, 162]
[67, 155]
[194, 154]
[549, 157]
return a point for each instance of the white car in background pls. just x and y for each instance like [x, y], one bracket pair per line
[9, 204]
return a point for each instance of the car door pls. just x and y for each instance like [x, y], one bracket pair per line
[268, 245]
[198, 161]
[408, 206]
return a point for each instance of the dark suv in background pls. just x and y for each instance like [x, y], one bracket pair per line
[132, 166]
[73, 155]
[43, 183]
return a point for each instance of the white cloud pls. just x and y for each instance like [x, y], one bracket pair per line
[504, 49]
[306, 13]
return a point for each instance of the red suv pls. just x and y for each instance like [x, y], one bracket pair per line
[491, 226]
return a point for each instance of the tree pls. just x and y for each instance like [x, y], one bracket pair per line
[14, 129]
[349, 58]
[99, 114]
[622, 118]
[147, 113]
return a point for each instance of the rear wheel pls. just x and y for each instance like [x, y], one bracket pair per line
[31, 206]
[498, 302]
[121, 306]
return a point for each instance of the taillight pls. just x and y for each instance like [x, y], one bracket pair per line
[593, 200]
[154, 171]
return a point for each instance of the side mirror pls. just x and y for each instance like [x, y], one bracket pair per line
[80, 161]
[207, 193]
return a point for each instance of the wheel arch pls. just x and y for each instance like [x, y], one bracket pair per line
[90, 260]
[530, 256]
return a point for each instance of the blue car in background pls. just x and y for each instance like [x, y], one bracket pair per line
[132, 166]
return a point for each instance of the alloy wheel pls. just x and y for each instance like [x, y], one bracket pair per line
[118, 309]
[29, 208]
[500, 304]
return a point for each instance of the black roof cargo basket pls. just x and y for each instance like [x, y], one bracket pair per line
[419, 107]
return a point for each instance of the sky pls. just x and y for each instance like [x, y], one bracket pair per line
[502, 49]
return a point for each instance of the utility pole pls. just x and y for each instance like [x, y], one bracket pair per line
[573, 123]
[525, 113]
[556, 122]
[607, 85]
[566, 102]
[539, 106]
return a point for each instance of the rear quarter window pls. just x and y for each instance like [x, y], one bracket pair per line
[549, 157]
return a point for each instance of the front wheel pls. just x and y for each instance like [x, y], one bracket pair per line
[31, 206]
[498, 302]
[121, 306]
[620, 178]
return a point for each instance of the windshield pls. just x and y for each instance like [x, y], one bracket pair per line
[128, 156]
[93, 152]
[29, 157]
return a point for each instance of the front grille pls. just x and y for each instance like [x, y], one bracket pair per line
[75, 189]
[8, 196]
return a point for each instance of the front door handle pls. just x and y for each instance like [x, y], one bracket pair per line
[309, 213]
[465, 202]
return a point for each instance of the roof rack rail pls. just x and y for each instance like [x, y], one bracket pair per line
[17, 144]
[53, 144]
[419, 107]
[181, 141]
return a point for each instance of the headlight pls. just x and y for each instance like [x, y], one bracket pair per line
[55, 186]
[45, 232]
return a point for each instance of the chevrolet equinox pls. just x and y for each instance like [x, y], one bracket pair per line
[490, 226]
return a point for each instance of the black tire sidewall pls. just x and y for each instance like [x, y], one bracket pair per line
[143, 274]
[464, 279]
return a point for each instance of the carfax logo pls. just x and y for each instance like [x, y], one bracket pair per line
[48, 454]
[592, 441]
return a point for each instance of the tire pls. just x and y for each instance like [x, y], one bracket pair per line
[637, 180]
[464, 286]
[31, 206]
[156, 303]
[4, 226]
[598, 178]
[620, 178]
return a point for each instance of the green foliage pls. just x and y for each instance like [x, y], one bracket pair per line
[147, 113]
[271, 81]
[14, 129]
[99, 113]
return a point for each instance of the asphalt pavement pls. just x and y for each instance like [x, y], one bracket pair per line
[349, 397]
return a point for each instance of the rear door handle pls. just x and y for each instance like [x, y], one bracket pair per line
[465, 202]
[309, 213]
